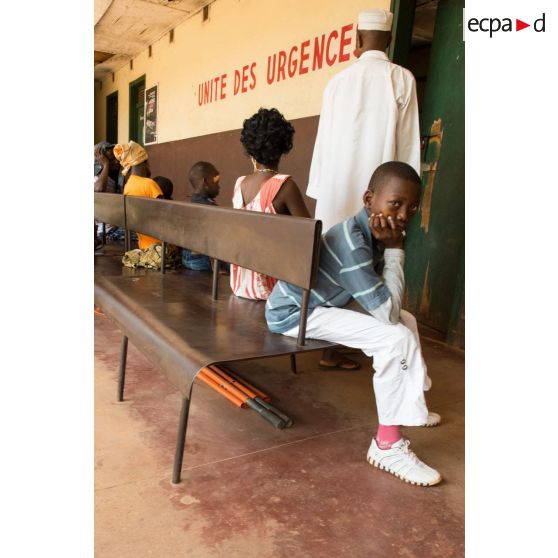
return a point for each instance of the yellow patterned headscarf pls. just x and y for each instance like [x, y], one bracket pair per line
[129, 155]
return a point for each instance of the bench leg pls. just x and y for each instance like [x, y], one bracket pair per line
[303, 317]
[293, 364]
[215, 286]
[122, 369]
[163, 256]
[180, 440]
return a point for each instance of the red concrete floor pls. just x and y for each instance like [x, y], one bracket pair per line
[251, 490]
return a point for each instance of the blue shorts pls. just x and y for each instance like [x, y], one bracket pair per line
[197, 262]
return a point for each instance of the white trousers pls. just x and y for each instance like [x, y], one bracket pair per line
[400, 377]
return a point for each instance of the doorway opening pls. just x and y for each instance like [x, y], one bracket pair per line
[112, 118]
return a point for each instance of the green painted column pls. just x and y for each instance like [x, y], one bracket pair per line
[436, 243]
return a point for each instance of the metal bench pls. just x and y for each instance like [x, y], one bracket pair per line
[178, 321]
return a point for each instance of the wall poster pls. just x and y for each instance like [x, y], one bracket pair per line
[151, 109]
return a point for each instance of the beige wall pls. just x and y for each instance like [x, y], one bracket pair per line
[238, 33]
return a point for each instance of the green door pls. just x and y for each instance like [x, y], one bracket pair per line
[436, 243]
[137, 107]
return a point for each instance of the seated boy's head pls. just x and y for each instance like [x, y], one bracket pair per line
[204, 178]
[166, 186]
[394, 191]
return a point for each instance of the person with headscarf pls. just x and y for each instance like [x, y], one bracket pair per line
[133, 160]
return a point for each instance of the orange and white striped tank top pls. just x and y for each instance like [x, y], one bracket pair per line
[245, 282]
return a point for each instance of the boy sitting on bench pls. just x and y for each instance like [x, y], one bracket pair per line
[204, 178]
[166, 185]
[351, 256]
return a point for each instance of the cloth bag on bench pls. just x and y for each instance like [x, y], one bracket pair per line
[151, 257]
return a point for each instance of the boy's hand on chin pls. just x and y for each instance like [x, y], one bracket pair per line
[386, 231]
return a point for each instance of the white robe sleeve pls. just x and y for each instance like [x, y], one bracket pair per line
[408, 130]
[318, 157]
[394, 279]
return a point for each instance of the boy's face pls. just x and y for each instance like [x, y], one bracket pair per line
[396, 198]
[211, 183]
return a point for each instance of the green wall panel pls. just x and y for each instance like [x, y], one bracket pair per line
[435, 245]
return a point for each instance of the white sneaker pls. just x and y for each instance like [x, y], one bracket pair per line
[400, 461]
[434, 419]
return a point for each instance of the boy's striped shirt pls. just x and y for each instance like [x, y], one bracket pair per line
[349, 260]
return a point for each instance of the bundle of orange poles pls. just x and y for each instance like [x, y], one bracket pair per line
[242, 394]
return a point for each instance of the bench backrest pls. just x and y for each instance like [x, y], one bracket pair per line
[280, 246]
[109, 208]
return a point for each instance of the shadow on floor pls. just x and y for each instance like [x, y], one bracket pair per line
[250, 490]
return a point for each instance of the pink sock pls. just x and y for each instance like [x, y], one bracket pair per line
[387, 436]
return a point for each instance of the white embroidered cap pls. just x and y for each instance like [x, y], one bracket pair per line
[375, 20]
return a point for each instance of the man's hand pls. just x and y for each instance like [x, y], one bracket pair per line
[101, 157]
[386, 231]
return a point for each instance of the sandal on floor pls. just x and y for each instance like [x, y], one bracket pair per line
[343, 364]
[434, 419]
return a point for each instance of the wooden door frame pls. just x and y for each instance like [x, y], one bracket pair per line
[131, 85]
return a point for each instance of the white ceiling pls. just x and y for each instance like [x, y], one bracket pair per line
[124, 28]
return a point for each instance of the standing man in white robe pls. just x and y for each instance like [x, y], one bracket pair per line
[369, 116]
